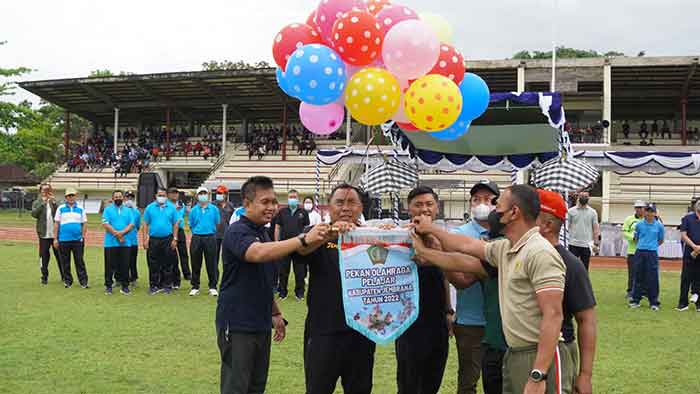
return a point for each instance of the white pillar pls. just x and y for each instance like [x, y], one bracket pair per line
[521, 78]
[348, 128]
[607, 99]
[224, 108]
[116, 128]
[605, 206]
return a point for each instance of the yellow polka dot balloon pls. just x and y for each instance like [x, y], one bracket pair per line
[433, 102]
[372, 96]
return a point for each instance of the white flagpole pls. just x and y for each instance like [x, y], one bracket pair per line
[553, 85]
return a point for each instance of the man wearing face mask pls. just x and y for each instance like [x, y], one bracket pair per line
[314, 217]
[583, 229]
[289, 223]
[117, 220]
[174, 198]
[160, 224]
[470, 320]
[204, 220]
[226, 210]
[132, 237]
[530, 282]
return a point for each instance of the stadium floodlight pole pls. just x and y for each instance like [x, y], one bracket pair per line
[116, 128]
[224, 108]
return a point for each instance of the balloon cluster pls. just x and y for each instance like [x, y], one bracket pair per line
[381, 61]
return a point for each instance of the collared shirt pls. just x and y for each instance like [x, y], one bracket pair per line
[315, 218]
[70, 219]
[245, 302]
[470, 301]
[49, 222]
[578, 292]
[691, 225]
[160, 219]
[581, 221]
[226, 211]
[181, 209]
[628, 233]
[132, 238]
[119, 218]
[291, 223]
[204, 220]
[649, 235]
[529, 267]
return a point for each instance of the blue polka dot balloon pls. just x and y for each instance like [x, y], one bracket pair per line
[282, 82]
[315, 74]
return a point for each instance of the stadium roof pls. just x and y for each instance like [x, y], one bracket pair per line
[642, 85]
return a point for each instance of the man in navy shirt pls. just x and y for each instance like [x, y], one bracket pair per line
[160, 223]
[117, 220]
[649, 234]
[246, 309]
[174, 197]
[690, 234]
[204, 220]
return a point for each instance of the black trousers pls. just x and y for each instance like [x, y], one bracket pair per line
[491, 369]
[161, 259]
[420, 364]
[690, 279]
[45, 248]
[204, 245]
[117, 265]
[133, 258]
[630, 274]
[77, 249]
[347, 355]
[300, 269]
[584, 254]
[245, 361]
[183, 257]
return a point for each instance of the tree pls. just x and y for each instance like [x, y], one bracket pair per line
[214, 65]
[12, 115]
[564, 53]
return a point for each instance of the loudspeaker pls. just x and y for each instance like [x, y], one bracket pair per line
[149, 182]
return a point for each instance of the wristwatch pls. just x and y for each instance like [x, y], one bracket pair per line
[537, 376]
[302, 239]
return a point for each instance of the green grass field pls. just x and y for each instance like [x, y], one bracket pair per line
[13, 218]
[56, 340]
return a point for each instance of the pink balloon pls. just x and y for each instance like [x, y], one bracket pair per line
[329, 11]
[390, 15]
[400, 115]
[321, 119]
[411, 49]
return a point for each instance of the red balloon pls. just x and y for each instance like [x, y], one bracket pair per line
[289, 39]
[374, 6]
[450, 64]
[357, 37]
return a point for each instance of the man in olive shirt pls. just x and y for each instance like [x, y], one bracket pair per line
[530, 281]
[43, 210]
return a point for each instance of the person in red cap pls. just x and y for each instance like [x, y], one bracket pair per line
[579, 301]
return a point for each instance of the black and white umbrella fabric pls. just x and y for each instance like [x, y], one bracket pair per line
[390, 177]
[565, 175]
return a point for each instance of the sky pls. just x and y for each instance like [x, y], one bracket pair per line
[70, 38]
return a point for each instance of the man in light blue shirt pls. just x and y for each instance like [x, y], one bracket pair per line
[70, 230]
[649, 234]
[204, 220]
[470, 321]
[160, 224]
[117, 220]
[132, 237]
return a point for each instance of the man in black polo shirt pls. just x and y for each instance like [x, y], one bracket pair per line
[333, 350]
[289, 223]
[690, 235]
[579, 301]
[246, 309]
[421, 352]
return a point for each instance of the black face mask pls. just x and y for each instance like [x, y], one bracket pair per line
[495, 226]
[118, 202]
[583, 200]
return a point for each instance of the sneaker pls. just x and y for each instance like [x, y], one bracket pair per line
[213, 293]
[85, 286]
[654, 308]
[44, 282]
[634, 305]
[167, 290]
[694, 298]
[108, 290]
[681, 308]
[176, 287]
[125, 291]
[154, 291]
[67, 285]
[194, 292]
[299, 297]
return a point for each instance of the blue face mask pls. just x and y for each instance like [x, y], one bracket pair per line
[219, 197]
[203, 198]
[293, 203]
